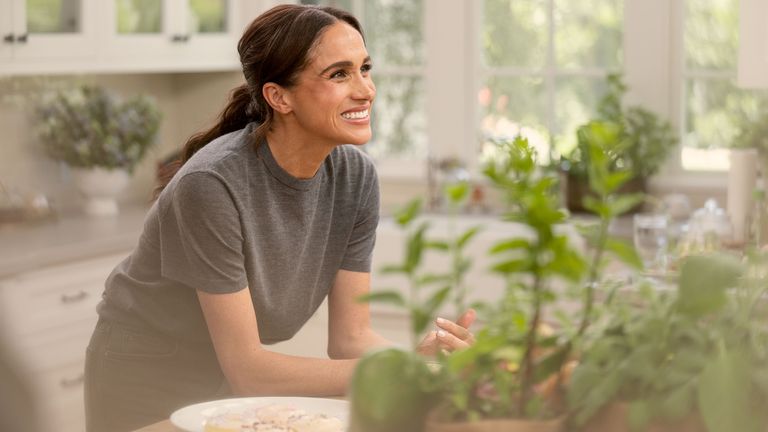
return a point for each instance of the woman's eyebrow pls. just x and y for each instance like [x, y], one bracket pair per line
[343, 64]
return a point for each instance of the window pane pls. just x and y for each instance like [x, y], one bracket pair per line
[514, 33]
[575, 104]
[139, 16]
[711, 34]
[588, 33]
[512, 106]
[399, 118]
[342, 4]
[393, 31]
[53, 16]
[208, 16]
[715, 109]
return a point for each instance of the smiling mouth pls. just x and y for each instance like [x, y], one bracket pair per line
[356, 115]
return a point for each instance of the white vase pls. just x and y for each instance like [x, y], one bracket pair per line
[100, 188]
[742, 178]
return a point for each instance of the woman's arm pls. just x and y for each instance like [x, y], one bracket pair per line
[349, 322]
[252, 370]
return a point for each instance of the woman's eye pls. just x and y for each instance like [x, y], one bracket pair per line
[339, 74]
[366, 68]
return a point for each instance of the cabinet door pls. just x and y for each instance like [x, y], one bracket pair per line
[139, 30]
[53, 29]
[210, 31]
[6, 30]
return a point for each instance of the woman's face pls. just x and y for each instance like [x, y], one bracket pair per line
[332, 98]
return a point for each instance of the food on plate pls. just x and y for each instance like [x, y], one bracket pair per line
[270, 418]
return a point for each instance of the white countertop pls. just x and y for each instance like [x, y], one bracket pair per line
[25, 247]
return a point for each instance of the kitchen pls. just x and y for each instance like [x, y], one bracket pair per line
[449, 78]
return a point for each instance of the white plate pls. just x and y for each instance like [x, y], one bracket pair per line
[192, 418]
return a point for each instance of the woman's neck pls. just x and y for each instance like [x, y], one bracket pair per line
[296, 154]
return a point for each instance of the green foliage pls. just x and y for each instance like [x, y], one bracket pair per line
[86, 127]
[645, 139]
[392, 390]
[427, 292]
[702, 348]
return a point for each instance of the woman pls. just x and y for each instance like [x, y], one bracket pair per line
[269, 215]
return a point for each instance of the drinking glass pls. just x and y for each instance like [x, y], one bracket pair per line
[650, 236]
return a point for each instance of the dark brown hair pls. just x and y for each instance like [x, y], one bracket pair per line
[276, 46]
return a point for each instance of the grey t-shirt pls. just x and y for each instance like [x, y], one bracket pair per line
[232, 218]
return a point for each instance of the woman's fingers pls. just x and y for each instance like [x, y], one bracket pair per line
[460, 328]
[450, 342]
[467, 318]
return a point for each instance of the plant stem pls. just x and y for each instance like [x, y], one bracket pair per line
[589, 293]
[530, 345]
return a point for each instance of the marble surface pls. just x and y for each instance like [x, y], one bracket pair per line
[25, 247]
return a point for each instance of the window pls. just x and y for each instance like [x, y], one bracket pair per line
[543, 66]
[714, 108]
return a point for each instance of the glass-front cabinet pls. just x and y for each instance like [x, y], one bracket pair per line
[47, 29]
[187, 31]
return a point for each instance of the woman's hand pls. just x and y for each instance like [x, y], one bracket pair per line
[451, 335]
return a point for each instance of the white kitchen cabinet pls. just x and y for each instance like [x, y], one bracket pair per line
[34, 31]
[48, 315]
[171, 34]
[122, 36]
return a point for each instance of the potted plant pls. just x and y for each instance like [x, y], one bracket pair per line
[695, 359]
[100, 136]
[647, 141]
[511, 378]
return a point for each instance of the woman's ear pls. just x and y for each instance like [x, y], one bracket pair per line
[277, 97]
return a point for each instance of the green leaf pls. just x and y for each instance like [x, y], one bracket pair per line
[436, 300]
[392, 269]
[457, 193]
[613, 181]
[625, 252]
[408, 213]
[428, 279]
[420, 319]
[437, 245]
[624, 203]
[551, 363]
[512, 266]
[391, 297]
[518, 243]
[415, 248]
[704, 280]
[597, 207]
[725, 394]
[467, 236]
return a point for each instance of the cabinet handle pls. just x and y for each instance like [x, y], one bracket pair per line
[9, 38]
[21, 38]
[68, 383]
[73, 298]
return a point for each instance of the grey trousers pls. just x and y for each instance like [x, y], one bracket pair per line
[134, 378]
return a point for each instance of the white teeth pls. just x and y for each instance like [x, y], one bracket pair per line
[355, 115]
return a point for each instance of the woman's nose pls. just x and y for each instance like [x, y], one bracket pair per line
[365, 88]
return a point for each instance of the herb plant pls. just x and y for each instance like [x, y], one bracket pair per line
[86, 126]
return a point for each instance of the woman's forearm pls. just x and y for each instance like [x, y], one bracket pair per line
[267, 373]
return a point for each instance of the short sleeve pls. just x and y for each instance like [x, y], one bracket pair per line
[201, 240]
[359, 251]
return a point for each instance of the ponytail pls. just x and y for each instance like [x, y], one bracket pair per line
[235, 116]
